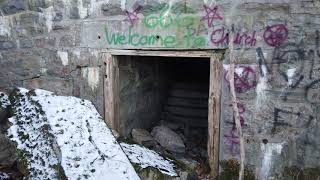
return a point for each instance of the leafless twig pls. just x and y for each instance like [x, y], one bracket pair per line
[235, 103]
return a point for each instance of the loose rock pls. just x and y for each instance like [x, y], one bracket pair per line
[168, 139]
[143, 137]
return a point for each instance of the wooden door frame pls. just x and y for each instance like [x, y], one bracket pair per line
[112, 99]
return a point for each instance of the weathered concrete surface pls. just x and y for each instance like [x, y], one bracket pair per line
[141, 93]
[55, 45]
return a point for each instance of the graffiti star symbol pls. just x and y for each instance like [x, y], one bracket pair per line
[212, 14]
[132, 17]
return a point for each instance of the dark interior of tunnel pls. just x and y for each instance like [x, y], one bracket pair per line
[170, 92]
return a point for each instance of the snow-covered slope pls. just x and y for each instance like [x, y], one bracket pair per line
[32, 133]
[67, 132]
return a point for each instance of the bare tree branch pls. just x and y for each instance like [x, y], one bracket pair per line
[235, 103]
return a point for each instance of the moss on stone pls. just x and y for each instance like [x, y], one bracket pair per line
[126, 140]
[61, 173]
[25, 116]
[178, 164]
[230, 171]
[296, 173]
[152, 173]
[22, 163]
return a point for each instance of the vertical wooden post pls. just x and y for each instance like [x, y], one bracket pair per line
[214, 112]
[111, 92]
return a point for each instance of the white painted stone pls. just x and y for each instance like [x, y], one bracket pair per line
[5, 27]
[268, 150]
[63, 57]
[290, 74]
[83, 12]
[123, 4]
[92, 75]
[48, 13]
[261, 88]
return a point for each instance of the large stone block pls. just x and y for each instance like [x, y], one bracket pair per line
[4, 114]
[12, 6]
[48, 42]
[59, 86]
[25, 43]
[38, 5]
[111, 9]
[67, 41]
[168, 139]
[5, 45]
[27, 19]
[8, 154]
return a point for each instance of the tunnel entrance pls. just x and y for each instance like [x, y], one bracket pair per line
[155, 89]
[151, 90]
[159, 94]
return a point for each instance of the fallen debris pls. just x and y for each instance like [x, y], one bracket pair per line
[148, 158]
[143, 137]
[168, 139]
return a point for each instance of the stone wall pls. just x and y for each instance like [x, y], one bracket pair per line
[55, 45]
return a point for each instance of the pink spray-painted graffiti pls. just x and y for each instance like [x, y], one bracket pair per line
[275, 35]
[220, 36]
[211, 15]
[233, 142]
[244, 79]
[231, 138]
[132, 17]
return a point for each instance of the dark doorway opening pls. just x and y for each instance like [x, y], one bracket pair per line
[166, 91]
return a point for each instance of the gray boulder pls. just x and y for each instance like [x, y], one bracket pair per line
[143, 137]
[8, 153]
[168, 139]
[4, 114]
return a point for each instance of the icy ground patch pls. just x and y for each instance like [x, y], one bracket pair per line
[4, 176]
[4, 100]
[31, 132]
[88, 148]
[147, 158]
[65, 136]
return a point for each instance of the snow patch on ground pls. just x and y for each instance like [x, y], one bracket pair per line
[88, 148]
[62, 136]
[147, 158]
[4, 176]
[31, 132]
[4, 100]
